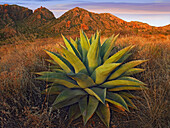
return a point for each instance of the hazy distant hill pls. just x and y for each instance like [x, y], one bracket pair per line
[20, 21]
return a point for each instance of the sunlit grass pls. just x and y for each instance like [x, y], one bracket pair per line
[23, 106]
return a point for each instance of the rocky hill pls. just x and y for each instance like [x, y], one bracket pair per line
[9, 15]
[79, 18]
[40, 17]
[16, 20]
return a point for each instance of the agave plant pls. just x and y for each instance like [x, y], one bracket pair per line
[87, 79]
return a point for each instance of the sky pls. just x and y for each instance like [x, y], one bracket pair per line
[153, 12]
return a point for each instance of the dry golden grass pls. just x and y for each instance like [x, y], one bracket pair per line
[22, 105]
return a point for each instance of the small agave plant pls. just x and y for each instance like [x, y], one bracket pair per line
[89, 80]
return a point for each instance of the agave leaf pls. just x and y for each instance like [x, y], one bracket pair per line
[90, 108]
[51, 76]
[102, 72]
[74, 60]
[59, 78]
[91, 40]
[107, 53]
[53, 90]
[66, 102]
[58, 70]
[117, 100]
[114, 58]
[93, 56]
[63, 63]
[71, 47]
[127, 94]
[125, 67]
[99, 93]
[103, 111]
[74, 43]
[68, 94]
[83, 80]
[131, 79]
[79, 47]
[115, 83]
[106, 45]
[133, 71]
[83, 106]
[52, 62]
[54, 67]
[74, 112]
[128, 101]
[85, 44]
[125, 57]
[45, 73]
[128, 87]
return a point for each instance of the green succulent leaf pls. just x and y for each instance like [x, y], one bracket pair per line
[79, 47]
[51, 61]
[74, 61]
[71, 47]
[124, 58]
[68, 94]
[88, 109]
[74, 43]
[85, 44]
[117, 100]
[93, 55]
[45, 73]
[53, 90]
[128, 101]
[83, 106]
[127, 94]
[103, 111]
[117, 56]
[59, 78]
[112, 43]
[133, 71]
[83, 80]
[115, 83]
[99, 93]
[58, 70]
[52, 67]
[62, 62]
[128, 87]
[132, 80]
[125, 67]
[74, 111]
[105, 46]
[66, 102]
[102, 72]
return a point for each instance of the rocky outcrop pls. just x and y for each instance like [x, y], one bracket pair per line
[68, 25]
[43, 13]
[84, 27]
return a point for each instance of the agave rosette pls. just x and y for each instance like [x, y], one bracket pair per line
[88, 79]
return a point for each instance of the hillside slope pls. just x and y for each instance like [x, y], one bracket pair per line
[20, 21]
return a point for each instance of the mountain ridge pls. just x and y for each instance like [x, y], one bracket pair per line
[42, 23]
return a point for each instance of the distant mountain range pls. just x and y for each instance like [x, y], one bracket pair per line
[17, 21]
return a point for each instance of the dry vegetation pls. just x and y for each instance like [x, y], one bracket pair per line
[22, 105]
